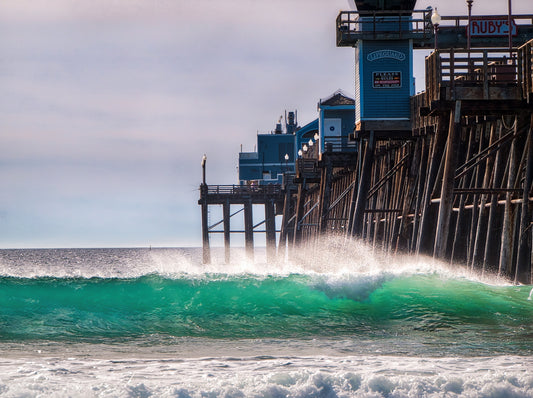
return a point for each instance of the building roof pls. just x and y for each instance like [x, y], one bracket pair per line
[337, 98]
[309, 127]
[382, 5]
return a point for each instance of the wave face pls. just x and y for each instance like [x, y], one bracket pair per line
[422, 306]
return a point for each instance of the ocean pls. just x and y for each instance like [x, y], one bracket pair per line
[336, 321]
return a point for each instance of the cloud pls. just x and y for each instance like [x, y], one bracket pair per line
[108, 106]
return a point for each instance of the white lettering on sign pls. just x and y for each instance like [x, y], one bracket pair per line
[492, 27]
[381, 54]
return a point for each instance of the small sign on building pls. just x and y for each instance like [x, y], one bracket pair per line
[487, 26]
[387, 79]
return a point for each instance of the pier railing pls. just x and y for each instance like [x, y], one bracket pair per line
[355, 25]
[273, 189]
[448, 71]
[339, 144]
[525, 70]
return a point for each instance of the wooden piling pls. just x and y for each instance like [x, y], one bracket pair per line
[426, 232]
[506, 251]
[270, 225]
[285, 230]
[325, 194]
[422, 171]
[248, 229]
[481, 230]
[300, 204]
[364, 185]
[206, 252]
[226, 217]
[448, 180]
[459, 240]
[492, 243]
[523, 272]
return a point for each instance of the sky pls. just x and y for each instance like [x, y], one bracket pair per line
[109, 105]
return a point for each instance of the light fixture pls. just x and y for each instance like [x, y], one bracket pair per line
[435, 20]
[305, 148]
[435, 17]
[204, 160]
[286, 156]
[310, 142]
[316, 137]
[300, 153]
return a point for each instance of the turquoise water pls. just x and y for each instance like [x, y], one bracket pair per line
[137, 322]
[249, 307]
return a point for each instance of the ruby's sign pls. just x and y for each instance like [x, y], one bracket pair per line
[492, 27]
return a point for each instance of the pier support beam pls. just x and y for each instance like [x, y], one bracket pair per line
[523, 266]
[206, 252]
[482, 223]
[270, 224]
[424, 242]
[227, 230]
[492, 243]
[357, 226]
[284, 233]
[325, 195]
[249, 229]
[506, 251]
[300, 204]
[446, 198]
[419, 193]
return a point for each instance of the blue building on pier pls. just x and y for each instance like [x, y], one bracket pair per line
[276, 152]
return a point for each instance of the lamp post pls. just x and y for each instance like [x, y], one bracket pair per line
[469, 31]
[204, 161]
[468, 37]
[435, 20]
[509, 21]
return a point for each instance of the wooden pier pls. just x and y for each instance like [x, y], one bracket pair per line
[244, 197]
[456, 186]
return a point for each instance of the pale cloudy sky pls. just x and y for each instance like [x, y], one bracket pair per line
[107, 106]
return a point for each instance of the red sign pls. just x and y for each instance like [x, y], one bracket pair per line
[387, 79]
[492, 27]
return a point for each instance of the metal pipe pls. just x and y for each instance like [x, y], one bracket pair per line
[509, 19]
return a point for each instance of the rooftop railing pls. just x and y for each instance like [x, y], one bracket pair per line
[377, 24]
[451, 69]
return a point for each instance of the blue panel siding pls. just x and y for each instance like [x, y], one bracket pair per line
[385, 24]
[380, 57]
[269, 160]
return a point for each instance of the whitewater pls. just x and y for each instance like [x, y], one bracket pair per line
[340, 320]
